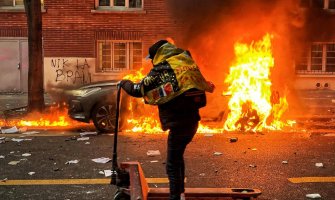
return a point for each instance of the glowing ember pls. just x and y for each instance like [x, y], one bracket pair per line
[253, 104]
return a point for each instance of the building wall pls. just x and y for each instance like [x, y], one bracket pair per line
[71, 29]
[319, 28]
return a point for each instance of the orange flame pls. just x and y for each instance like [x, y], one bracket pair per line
[253, 104]
[55, 116]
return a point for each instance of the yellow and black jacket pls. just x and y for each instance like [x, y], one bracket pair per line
[175, 84]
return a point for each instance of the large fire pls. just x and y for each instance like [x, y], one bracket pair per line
[54, 116]
[254, 105]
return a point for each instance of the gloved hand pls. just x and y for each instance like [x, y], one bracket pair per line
[133, 89]
[123, 82]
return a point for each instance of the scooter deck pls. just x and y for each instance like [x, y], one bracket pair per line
[139, 188]
[209, 193]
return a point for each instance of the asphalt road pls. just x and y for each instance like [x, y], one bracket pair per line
[254, 161]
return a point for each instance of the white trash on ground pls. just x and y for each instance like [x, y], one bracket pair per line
[72, 162]
[30, 132]
[318, 164]
[313, 196]
[217, 153]
[26, 154]
[31, 173]
[83, 139]
[10, 130]
[153, 153]
[88, 133]
[108, 172]
[14, 162]
[20, 140]
[102, 160]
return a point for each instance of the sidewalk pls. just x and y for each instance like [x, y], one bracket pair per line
[17, 100]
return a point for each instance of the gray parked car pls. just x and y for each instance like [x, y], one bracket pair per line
[96, 102]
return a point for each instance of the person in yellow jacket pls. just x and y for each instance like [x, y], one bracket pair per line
[176, 85]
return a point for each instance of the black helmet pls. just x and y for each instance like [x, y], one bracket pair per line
[154, 48]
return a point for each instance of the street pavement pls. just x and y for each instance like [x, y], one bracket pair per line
[256, 160]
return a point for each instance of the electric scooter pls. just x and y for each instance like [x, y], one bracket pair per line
[131, 184]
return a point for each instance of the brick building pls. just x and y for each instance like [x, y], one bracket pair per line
[83, 41]
[315, 67]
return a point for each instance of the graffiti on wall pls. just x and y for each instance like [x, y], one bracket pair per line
[71, 71]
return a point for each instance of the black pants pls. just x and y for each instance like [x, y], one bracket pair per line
[175, 168]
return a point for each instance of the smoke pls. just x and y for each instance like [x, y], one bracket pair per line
[209, 29]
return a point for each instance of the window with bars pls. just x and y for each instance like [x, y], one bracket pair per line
[319, 59]
[11, 3]
[316, 57]
[115, 56]
[330, 59]
[302, 62]
[121, 3]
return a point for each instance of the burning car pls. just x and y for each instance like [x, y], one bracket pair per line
[96, 102]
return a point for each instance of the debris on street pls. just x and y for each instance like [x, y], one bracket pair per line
[1, 156]
[233, 139]
[88, 133]
[14, 162]
[30, 132]
[313, 196]
[83, 139]
[108, 172]
[202, 174]
[10, 130]
[20, 140]
[87, 143]
[217, 153]
[102, 160]
[153, 153]
[31, 173]
[26, 154]
[72, 162]
[252, 166]
[154, 161]
[284, 162]
[4, 180]
[318, 164]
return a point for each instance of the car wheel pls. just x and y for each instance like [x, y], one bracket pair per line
[104, 117]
